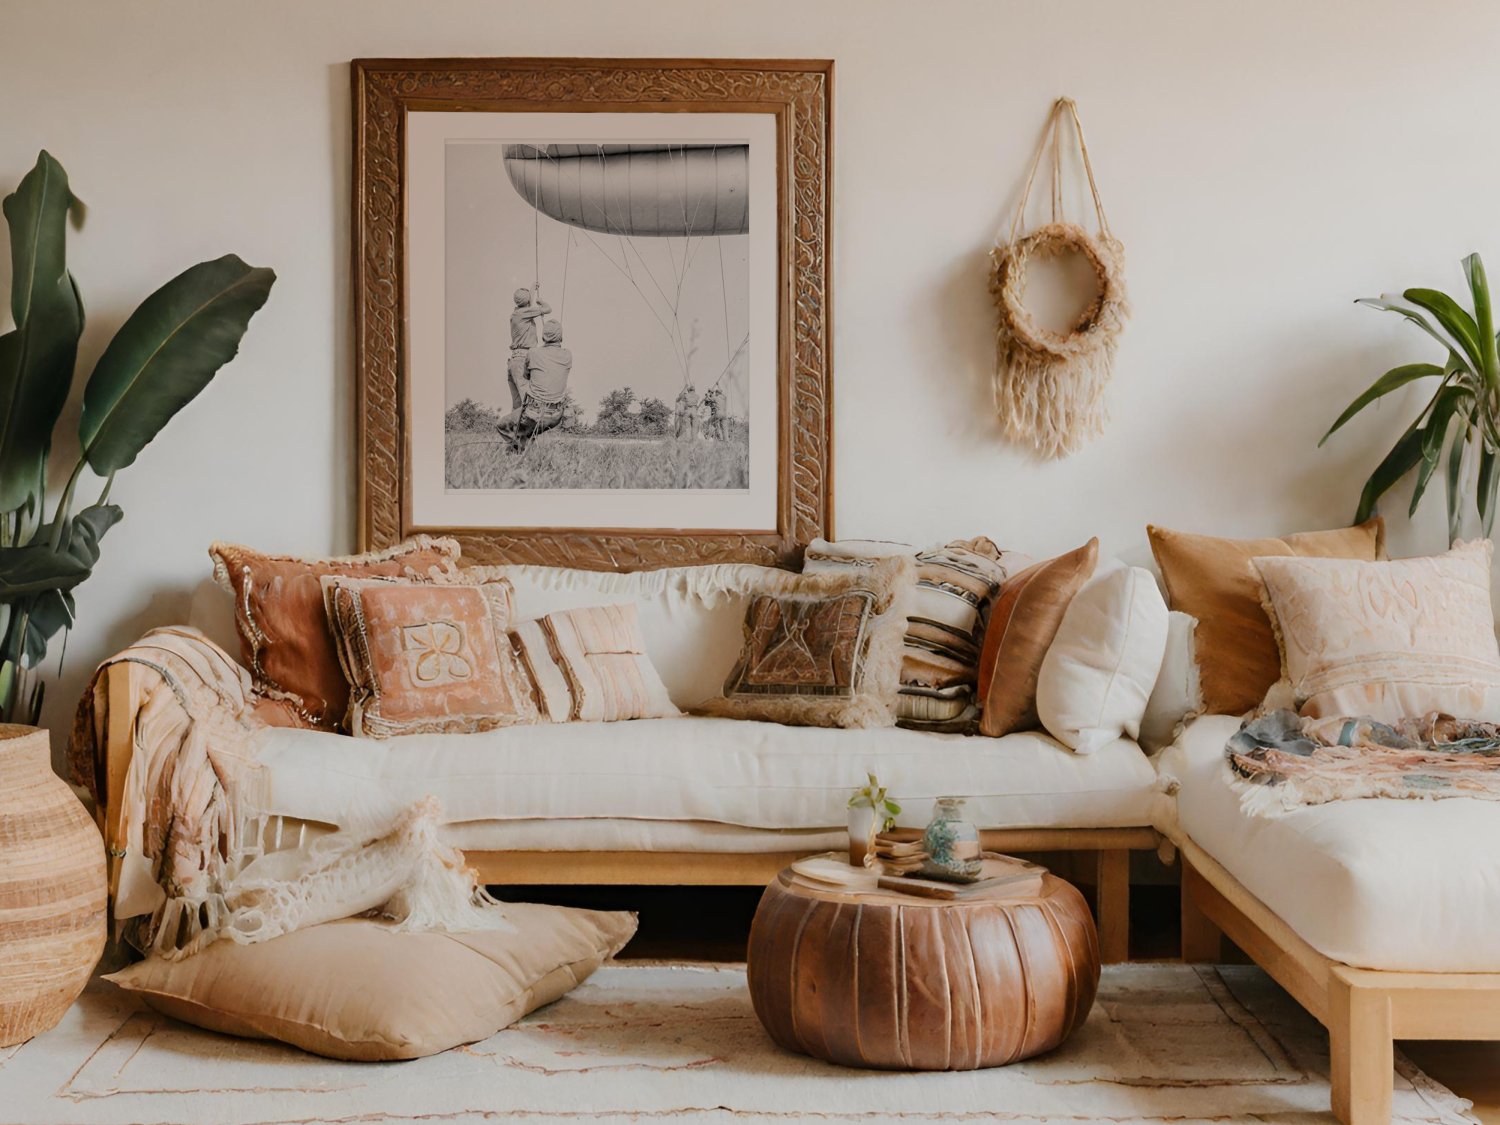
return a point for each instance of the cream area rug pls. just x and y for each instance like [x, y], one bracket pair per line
[646, 1042]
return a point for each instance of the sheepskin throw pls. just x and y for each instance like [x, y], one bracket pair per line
[1281, 761]
[1049, 386]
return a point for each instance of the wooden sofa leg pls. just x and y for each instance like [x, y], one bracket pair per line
[1202, 941]
[1112, 886]
[1361, 1052]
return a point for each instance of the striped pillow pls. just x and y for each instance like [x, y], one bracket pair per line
[590, 665]
[956, 583]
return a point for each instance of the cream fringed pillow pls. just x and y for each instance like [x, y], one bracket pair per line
[424, 657]
[590, 665]
[356, 990]
[1388, 640]
[824, 649]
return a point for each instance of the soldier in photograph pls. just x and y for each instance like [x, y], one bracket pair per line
[543, 390]
[523, 321]
[687, 412]
[715, 426]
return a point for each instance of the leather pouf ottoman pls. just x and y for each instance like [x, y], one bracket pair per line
[888, 980]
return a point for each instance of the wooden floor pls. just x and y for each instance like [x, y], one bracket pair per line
[713, 924]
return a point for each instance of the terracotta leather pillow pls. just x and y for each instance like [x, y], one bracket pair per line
[1215, 581]
[1023, 622]
[285, 640]
[427, 657]
[358, 990]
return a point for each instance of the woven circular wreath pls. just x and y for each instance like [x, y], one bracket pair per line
[1096, 326]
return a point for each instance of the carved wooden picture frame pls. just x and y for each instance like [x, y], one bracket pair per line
[389, 95]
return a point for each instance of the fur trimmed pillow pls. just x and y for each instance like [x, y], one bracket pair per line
[285, 639]
[823, 649]
[427, 657]
[956, 584]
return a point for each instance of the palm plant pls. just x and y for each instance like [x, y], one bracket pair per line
[1458, 426]
[163, 355]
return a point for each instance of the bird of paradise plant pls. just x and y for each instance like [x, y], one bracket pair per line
[1458, 426]
[162, 356]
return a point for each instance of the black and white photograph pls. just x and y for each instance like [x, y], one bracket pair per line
[596, 319]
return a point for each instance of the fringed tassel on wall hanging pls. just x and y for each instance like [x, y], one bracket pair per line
[1049, 386]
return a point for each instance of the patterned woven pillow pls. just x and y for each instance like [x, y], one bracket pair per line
[823, 649]
[956, 585]
[284, 635]
[590, 665]
[427, 657]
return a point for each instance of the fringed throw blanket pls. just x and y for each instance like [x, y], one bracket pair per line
[1281, 761]
[191, 842]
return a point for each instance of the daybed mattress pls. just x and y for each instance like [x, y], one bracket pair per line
[1378, 884]
[726, 771]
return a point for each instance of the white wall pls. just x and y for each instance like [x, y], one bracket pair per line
[1264, 164]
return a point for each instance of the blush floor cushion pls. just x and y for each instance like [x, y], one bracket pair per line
[358, 990]
[1404, 885]
[891, 981]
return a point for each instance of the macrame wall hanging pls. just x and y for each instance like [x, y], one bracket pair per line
[1049, 386]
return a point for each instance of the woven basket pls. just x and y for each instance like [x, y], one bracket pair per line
[52, 889]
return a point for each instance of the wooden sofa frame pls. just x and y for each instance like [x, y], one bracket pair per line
[1364, 1010]
[1111, 846]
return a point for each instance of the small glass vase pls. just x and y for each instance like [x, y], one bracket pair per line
[951, 843]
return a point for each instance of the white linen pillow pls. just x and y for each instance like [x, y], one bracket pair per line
[1178, 694]
[1100, 669]
[1388, 640]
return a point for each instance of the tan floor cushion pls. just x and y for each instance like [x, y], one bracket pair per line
[358, 990]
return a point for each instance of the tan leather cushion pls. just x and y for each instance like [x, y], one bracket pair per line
[426, 657]
[278, 611]
[1214, 580]
[356, 990]
[1022, 625]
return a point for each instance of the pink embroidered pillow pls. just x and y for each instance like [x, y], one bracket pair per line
[590, 665]
[1390, 640]
[427, 657]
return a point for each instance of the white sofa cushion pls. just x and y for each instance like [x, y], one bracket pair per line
[1378, 884]
[731, 771]
[1101, 665]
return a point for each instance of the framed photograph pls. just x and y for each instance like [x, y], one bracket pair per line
[591, 307]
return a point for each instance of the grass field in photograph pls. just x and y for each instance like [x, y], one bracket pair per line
[586, 461]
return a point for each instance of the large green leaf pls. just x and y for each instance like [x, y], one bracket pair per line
[1394, 379]
[1488, 480]
[1484, 317]
[1448, 402]
[1402, 458]
[37, 356]
[1391, 302]
[1454, 319]
[164, 355]
[35, 568]
[1454, 480]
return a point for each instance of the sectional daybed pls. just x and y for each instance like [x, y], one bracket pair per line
[1380, 916]
[689, 800]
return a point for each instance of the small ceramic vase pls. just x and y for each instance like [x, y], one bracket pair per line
[861, 832]
[951, 843]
